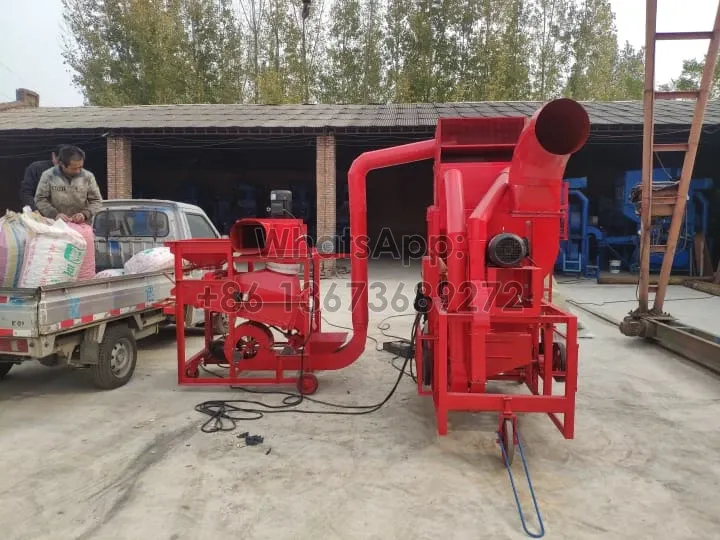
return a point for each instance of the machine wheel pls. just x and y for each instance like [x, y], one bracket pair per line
[307, 384]
[252, 338]
[4, 368]
[507, 438]
[116, 359]
[559, 362]
[192, 373]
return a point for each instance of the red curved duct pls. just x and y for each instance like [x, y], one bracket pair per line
[357, 195]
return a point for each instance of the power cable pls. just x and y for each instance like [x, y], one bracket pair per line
[224, 414]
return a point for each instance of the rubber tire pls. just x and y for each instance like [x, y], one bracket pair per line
[307, 384]
[4, 368]
[102, 373]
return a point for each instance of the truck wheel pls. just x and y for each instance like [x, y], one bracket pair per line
[4, 368]
[117, 356]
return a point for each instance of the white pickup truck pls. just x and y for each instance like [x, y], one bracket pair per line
[96, 323]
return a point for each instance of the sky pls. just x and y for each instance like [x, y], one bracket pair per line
[31, 44]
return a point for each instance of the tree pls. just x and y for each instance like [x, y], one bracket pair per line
[294, 53]
[397, 45]
[253, 17]
[213, 43]
[349, 51]
[691, 76]
[629, 76]
[551, 41]
[594, 51]
[510, 79]
[153, 51]
[353, 72]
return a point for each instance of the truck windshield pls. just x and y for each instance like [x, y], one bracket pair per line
[128, 222]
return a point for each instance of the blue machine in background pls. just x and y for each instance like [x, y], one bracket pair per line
[621, 223]
[590, 248]
[574, 255]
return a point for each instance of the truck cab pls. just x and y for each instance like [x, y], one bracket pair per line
[125, 227]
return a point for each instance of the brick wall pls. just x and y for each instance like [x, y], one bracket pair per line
[119, 168]
[326, 201]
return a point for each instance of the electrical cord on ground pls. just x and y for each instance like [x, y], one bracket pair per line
[382, 326]
[224, 414]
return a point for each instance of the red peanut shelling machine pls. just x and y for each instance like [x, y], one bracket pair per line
[483, 319]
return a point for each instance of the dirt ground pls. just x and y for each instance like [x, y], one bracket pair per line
[132, 463]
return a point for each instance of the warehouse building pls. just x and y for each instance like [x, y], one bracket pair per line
[226, 158]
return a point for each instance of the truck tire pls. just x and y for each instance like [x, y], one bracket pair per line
[4, 368]
[117, 356]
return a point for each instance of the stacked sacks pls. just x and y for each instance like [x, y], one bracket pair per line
[13, 241]
[54, 252]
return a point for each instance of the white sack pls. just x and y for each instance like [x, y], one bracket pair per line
[111, 272]
[53, 253]
[150, 260]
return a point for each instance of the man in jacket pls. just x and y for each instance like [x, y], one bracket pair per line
[68, 191]
[30, 181]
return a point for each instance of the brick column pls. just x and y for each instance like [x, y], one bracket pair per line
[325, 196]
[119, 168]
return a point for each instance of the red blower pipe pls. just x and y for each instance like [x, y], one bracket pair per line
[552, 135]
[357, 196]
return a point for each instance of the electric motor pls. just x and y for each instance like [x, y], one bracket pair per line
[507, 249]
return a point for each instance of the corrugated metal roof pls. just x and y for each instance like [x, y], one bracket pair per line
[422, 115]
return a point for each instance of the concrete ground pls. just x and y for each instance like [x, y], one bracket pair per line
[133, 463]
[695, 308]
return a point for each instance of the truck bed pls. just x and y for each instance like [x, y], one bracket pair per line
[33, 313]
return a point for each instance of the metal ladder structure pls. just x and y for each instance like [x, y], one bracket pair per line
[654, 322]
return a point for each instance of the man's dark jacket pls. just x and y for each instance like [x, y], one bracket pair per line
[30, 182]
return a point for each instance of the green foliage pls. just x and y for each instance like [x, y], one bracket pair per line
[691, 76]
[348, 51]
[629, 75]
[594, 51]
[551, 21]
[153, 51]
[353, 71]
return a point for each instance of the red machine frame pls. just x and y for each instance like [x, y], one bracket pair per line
[261, 352]
[495, 178]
